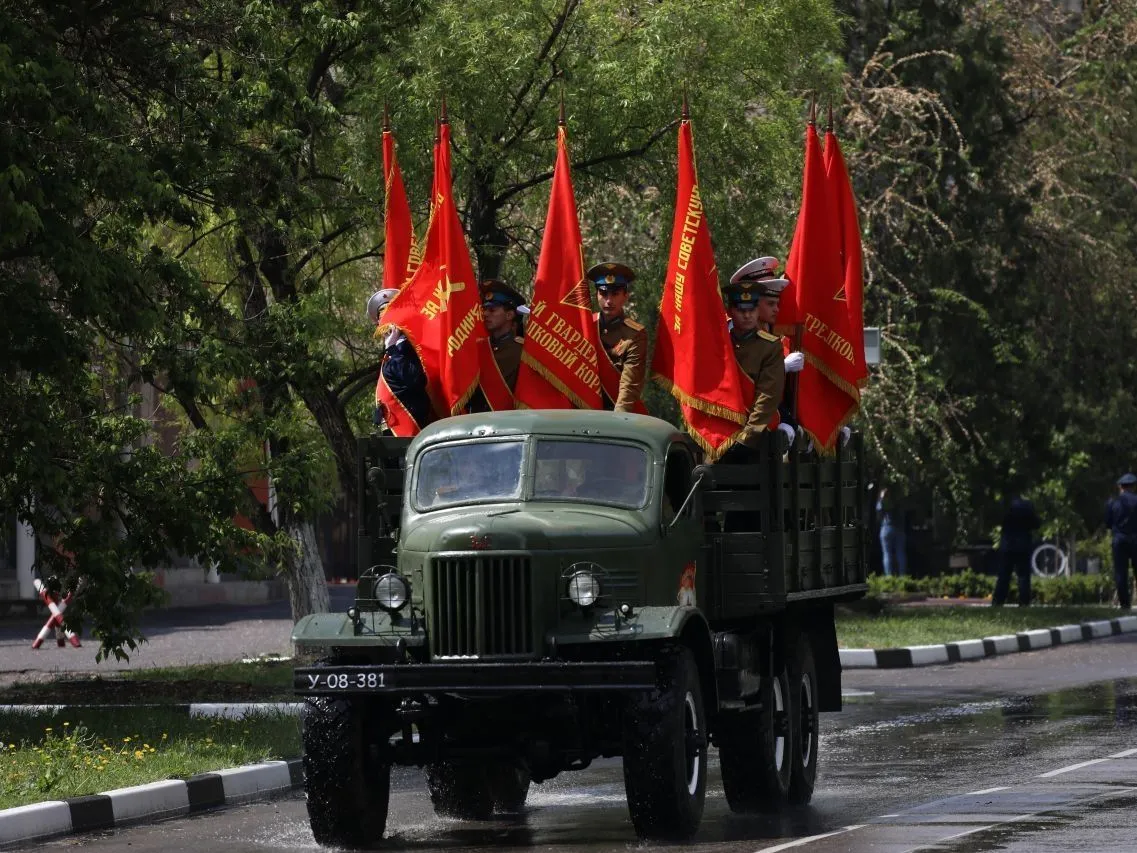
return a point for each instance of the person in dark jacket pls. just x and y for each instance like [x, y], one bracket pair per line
[401, 368]
[1121, 518]
[1015, 546]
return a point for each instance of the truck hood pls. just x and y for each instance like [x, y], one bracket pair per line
[542, 527]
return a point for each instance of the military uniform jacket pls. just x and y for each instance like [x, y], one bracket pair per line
[759, 354]
[507, 354]
[625, 342]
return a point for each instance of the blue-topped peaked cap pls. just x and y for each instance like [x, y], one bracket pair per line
[1127, 480]
[610, 276]
[496, 292]
[378, 301]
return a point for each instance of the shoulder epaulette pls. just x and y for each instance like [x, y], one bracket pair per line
[633, 325]
[768, 336]
[518, 340]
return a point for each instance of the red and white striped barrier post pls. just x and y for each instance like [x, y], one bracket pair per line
[55, 621]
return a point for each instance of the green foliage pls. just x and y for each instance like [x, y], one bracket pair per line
[1075, 589]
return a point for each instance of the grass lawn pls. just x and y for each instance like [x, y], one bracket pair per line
[49, 756]
[928, 625]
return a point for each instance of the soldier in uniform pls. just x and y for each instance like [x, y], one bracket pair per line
[1121, 518]
[624, 340]
[752, 300]
[501, 305]
[401, 367]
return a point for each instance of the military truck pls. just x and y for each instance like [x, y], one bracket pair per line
[540, 589]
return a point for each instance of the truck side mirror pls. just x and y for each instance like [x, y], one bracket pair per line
[704, 476]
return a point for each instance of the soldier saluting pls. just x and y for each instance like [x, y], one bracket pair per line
[624, 340]
[753, 298]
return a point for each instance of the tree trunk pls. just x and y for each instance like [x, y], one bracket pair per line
[307, 587]
[486, 234]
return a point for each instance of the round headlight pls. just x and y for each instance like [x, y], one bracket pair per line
[392, 591]
[584, 589]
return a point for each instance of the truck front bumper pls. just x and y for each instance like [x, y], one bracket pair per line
[525, 677]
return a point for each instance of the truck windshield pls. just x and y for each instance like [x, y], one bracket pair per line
[591, 471]
[467, 473]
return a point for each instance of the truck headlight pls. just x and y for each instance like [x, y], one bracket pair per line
[392, 591]
[583, 588]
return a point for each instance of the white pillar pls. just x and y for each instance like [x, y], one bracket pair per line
[25, 559]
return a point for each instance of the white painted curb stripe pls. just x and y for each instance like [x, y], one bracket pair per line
[925, 655]
[24, 823]
[1070, 633]
[1040, 639]
[1071, 768]
[156, 799]
[971, 649]
[1101, 629]
[238, 710]
[858, 658]
[1005, 644]
[242, 783]
[1124, 754]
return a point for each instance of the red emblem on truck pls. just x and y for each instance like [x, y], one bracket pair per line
[480, 543]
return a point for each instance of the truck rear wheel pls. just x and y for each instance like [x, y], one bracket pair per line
[754, 751]
[665, 751]
[804, 722]
[346, 778]
[460, 789]
[509, 782]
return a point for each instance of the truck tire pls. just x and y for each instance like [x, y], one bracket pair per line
[803, 722]
[665, 751]
[346, 780]
[460, 789]
[755, 751]
[509, 782]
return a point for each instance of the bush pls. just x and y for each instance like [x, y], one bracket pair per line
[1076, 589]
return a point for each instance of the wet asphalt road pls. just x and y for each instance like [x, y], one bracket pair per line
[1030, 753]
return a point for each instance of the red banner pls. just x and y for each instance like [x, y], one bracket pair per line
[560, 358]
[827, 390]
[439, 309]
[401, 258]
[692, 342]
[851, 256]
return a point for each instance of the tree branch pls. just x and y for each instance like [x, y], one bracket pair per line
[639, 151]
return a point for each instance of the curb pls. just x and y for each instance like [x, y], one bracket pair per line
[226, 710]
[969, 650]
[155, 801]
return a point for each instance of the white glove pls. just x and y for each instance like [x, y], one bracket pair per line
[788, 432]
[846, 434]
[393, 337]
[795, 361]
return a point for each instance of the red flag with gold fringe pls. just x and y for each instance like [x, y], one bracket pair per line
[439, 309]
[692, 343]
[852, 261]
[401, 258]
[559, 360]
[827, 387]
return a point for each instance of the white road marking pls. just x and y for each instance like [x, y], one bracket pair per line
[1124, 754]
[1071, 768]
[986, 791]
[801, 842]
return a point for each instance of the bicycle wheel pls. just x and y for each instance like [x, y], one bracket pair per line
[1048, 561]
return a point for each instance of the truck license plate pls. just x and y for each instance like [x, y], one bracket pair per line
[347, 681]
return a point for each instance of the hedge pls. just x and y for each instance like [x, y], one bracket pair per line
[1075, 589]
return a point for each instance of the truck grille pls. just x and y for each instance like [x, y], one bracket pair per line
[481, 607]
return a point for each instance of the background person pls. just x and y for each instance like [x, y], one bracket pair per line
[1121, 518]
[1016, 543]
[893, 533]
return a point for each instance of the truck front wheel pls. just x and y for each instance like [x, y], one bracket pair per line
[754, 751]
[347, 779]
[665, 751]
[460, 789]
[509, 782]
[804, 716]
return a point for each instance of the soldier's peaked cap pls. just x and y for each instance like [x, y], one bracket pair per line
[1127, 480]
[610, 276]
[496, 292]
[761, 274]
[378, 301]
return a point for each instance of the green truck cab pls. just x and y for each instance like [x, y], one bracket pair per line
[539, 589]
